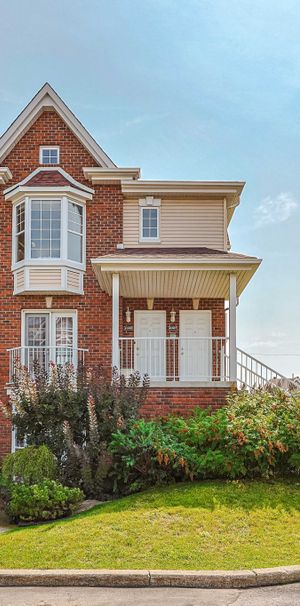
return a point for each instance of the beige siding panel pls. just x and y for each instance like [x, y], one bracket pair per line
[45, 278]
[182, 223]
[172, 284]
[73, 280]
[19, 280]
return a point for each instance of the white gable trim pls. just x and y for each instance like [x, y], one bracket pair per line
[47, 98]
[5, 175]
[58, 169]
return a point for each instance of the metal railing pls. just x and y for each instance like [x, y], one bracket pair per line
[175, 358]
[42, 356]
[252, 373]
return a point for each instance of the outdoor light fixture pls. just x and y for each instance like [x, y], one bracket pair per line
[196, 304]
[172, 315]
[128, 315]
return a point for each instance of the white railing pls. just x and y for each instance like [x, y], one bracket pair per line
[252, 373]
[176, 358]
[42, 356]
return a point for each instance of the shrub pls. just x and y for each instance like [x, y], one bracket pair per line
[75, 414]
[30, 465]
[256, 434]
[48, 500]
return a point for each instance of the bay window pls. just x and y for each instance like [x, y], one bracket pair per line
[49, 229]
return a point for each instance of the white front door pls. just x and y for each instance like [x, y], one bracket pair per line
[195, 351]
[150, 344]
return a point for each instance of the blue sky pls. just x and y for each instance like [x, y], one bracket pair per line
[186, 90]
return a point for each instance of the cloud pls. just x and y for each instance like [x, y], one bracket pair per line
[275, 210]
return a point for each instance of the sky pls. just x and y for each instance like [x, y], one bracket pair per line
[193, 89]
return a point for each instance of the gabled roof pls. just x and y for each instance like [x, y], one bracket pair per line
[48, 179]
[48, 98]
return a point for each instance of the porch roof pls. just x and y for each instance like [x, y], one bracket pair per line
[174, 272]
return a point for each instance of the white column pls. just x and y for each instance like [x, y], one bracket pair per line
[232, 328]
[115, 320]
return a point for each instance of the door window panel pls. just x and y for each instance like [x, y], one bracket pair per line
[48, 337]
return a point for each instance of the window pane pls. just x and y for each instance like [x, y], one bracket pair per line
[64, 331]
[64, 340]
[20, 232]
[75, 247]
[36, 341]
[45, 229]
[49, 156]
[20, 217]
[75, 230]
[75, 217]
[20, 247]
[150, 223]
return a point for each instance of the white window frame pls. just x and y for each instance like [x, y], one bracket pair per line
[51, 313]
[16, 233]
[63, 259]
[149, 202]
[48, 148]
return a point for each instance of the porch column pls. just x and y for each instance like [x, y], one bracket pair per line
[232, 328]
[115, 320]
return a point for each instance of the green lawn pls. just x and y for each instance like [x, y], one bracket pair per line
[208, 525]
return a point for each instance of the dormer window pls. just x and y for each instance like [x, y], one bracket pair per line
[49, 154]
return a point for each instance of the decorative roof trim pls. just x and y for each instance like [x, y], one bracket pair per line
[57, 169]
[43, 190]
[193, 187]
[47, 98]
[5, 175]
[109, 263]
[109, 175]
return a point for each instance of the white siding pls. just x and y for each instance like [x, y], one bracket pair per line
[73, 280]
[182, 223]
[44, 279]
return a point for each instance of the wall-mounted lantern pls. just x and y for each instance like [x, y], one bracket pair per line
[172, 315]
[128, 315]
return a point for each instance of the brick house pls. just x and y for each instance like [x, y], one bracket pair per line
[97, 263]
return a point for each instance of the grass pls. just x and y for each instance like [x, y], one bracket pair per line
[208, 525]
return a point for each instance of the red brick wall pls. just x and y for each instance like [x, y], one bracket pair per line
[104, 220]
[182, 400]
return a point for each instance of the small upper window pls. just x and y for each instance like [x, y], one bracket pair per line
[149, 223]
[49, 155]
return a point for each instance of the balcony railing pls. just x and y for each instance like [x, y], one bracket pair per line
[254, 374]
[176, 358]
[42, 356]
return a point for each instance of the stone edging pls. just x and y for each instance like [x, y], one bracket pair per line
[209, 579]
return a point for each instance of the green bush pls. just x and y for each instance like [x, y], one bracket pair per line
[75, 413]
[30, 465]
[256, 434]
[48, 500]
